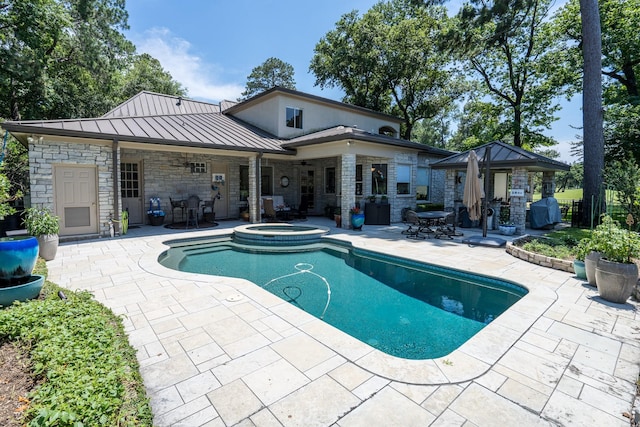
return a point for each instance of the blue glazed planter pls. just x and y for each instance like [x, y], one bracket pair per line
[18, 256]
[24, 292]
[357, 220]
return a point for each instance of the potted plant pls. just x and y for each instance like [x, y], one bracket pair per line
[357, 217]
[337, 216]
[616, 271]
[155, 212]
[384, 199]
[582, 250]
[42, 224]
[505, 226]
[372, 198]
[18, 255]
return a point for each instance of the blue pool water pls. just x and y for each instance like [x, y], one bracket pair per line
[406, 309]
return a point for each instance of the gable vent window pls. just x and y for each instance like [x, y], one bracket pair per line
[198, 167]
[294, 118]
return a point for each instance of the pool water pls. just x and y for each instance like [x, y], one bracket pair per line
[406, 309]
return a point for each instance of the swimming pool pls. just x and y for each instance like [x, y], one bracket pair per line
[406, 309]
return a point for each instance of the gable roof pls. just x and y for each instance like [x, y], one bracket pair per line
[153, 104]
[276, 90]
[503, 156]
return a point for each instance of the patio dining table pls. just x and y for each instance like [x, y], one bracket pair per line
[435, 223]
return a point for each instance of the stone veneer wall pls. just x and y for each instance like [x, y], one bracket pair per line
[44, 155]
[166, 176]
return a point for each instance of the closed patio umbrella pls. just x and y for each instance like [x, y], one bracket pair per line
[473, 192]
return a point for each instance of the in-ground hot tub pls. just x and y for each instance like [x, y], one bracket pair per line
[278, 234]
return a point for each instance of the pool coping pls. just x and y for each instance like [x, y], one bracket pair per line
[469, 361]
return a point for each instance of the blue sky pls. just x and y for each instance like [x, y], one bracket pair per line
[212, 46]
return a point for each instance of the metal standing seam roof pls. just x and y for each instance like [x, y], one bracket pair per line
[213, 130]
[503, 155]
[158, 119]
[156, 104]
[338, 133]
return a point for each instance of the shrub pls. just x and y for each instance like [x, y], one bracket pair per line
[80, 352]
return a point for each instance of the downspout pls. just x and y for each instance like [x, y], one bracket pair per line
[116, 204]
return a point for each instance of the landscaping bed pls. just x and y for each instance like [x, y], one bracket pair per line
[68, 362]
[523, 248]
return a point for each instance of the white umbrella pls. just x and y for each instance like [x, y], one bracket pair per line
[473, 192]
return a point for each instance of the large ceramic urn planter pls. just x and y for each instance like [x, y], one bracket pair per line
[579, 269]
[48, 246]
[590, 262]
[615, 280]
[18, 256]
[357, 220]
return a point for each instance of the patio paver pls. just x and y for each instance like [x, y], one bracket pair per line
[219, 351]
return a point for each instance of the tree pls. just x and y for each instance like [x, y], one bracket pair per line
[620, 43]
[67, 67]
[510, 45]
[390, 60]
[592, 110]
[146, 73]
[273, 72]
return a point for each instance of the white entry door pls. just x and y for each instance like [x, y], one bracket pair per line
[76, 199]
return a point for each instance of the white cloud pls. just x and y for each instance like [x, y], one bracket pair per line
[185, 67]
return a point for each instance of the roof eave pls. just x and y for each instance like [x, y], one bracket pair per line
[36, 130]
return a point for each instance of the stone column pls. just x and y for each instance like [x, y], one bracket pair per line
[518, 204]
[347, 187]
[254, 190]
[548, 184]
[450, 188]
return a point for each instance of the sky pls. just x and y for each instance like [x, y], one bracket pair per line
[211, 46]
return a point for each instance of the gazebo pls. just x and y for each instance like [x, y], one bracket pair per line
[504, 160]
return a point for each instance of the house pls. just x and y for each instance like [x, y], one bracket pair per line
[281, 142]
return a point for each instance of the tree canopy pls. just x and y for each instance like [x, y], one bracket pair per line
[68, 59]
[510, 46]
[271, 73]
[390, 60]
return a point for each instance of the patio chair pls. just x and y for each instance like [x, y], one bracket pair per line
[193, 206]
[415, 226]
[269, 210]
[176, 204]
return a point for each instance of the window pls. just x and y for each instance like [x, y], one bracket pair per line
[403, 182]
[197, 167]
[387, 130]
[422, 183]
[294, 118]
[330, 180]
[358, 180]
[266, 181]
[244, 183]
[379, 178]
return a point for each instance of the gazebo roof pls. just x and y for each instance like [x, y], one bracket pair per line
[503, 156]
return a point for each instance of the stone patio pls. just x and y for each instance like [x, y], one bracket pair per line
[217, 351]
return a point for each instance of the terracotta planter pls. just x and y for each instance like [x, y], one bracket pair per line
[590, 262]
[615, 280]
[338, 219]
